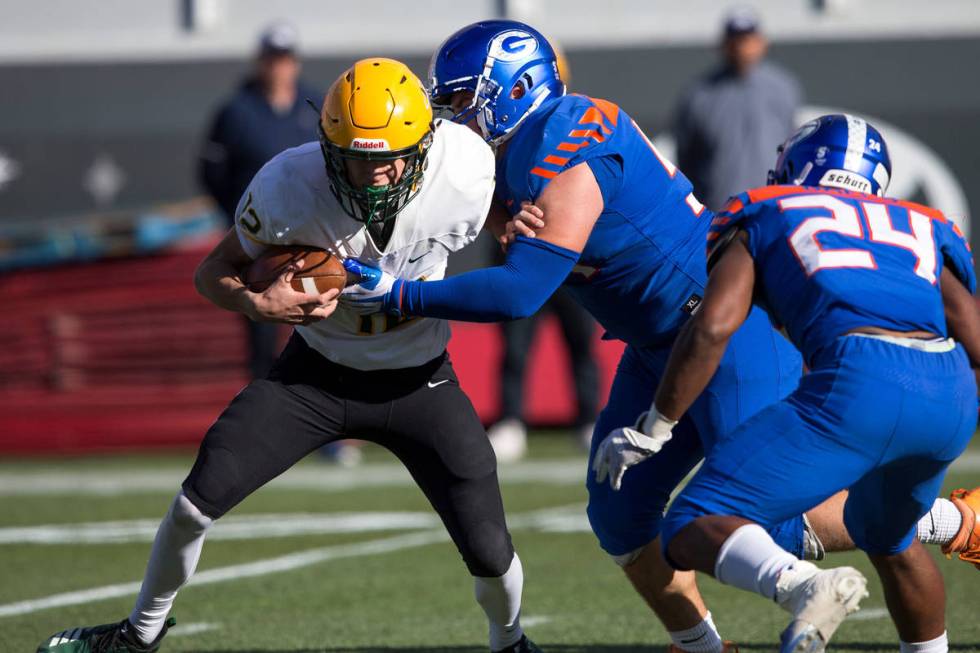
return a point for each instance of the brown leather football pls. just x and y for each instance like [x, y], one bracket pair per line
[321, 269]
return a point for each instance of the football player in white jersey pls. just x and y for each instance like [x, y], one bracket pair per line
[399, 193]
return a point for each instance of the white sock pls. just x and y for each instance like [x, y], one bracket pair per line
[703, 638]
[750, 560]
[500, 599]
[174, 557]
[940, 524]
[938, 645]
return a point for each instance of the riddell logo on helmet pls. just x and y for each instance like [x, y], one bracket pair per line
[846, 180]
[369, 144]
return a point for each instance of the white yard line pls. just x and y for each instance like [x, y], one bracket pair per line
[869, 614]
[279, 564]
[263, 526]
[232, 527]
[192, 629]
[235, 572]
[534, 620]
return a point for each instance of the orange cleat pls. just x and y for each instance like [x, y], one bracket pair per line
[966, 544]
[727, 647]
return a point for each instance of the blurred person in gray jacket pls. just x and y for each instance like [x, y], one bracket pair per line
[729, 122]
[266, 115]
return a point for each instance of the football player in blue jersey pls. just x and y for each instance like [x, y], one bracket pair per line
[877, 294]
[628, 239]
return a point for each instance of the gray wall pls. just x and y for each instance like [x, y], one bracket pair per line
[57, 119]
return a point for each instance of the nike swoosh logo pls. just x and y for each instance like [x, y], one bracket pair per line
[412, 260]
[691, 641]
[432, 385]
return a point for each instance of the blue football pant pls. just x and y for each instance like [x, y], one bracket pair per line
[759, 368]
[880, 419]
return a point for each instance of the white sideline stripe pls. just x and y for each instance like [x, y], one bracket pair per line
[307, 477]
[192, 629]
[268, 566]
[869, 614]
[263, 526]
[107, 482]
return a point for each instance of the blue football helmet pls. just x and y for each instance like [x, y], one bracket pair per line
[837, 150]
[508, 66]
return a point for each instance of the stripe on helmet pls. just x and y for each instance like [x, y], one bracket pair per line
[857, 136]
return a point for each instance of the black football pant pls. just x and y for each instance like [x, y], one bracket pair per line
[420, 414]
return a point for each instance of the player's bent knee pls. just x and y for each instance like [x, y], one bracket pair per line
[489, 551]
[214, 484]
[188, 517]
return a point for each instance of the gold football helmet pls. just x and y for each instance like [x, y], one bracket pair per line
[377, 110]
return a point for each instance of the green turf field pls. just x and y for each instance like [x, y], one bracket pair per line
[362, 564]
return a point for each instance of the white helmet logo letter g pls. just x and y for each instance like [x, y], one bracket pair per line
[513, 45]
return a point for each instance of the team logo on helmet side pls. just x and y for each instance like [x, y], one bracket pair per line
[513, 45]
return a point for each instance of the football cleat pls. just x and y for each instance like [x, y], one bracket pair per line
[107, 638]
[966, 543]
[818, 600]
[523, 646]
[726, 647]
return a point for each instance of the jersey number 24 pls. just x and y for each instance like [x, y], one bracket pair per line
[844, 220]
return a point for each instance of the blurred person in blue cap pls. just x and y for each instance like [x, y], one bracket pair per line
[266, 115]
[729, 121]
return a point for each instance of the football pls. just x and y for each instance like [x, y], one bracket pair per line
[321, 269]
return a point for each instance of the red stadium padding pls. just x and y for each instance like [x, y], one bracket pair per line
[123, 353]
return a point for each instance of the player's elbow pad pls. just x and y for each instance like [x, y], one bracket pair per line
[533, 270]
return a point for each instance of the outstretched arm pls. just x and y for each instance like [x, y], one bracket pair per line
[533, 270]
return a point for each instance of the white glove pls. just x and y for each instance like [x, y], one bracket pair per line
[372, 292]
[625, 447]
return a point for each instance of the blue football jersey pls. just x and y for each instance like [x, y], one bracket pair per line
[643, 269]
[829, 261]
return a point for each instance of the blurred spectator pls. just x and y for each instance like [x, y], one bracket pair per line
[509, 435]
[266, 115]
[730, 122]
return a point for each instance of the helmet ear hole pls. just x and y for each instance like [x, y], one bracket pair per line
[518, 91]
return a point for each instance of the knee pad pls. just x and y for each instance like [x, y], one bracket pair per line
[187, 517]
[488, 551]
[215, 482]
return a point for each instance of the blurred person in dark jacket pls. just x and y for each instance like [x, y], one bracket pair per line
[266, 115]
[730, 121]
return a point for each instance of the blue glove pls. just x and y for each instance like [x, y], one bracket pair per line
[375, 292]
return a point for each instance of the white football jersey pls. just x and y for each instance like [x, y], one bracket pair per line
[289, 202]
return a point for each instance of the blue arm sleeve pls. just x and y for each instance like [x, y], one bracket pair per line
[532, 271]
